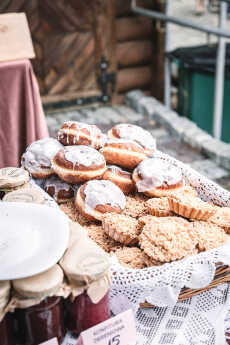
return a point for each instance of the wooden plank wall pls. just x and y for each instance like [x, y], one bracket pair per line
[134, 50]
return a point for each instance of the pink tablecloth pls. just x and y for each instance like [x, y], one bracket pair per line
[22, 120]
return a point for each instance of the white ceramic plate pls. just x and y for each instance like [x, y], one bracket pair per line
[32, 239]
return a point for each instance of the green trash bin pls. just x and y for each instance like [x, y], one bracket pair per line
[196, 66]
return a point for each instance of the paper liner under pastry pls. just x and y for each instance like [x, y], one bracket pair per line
[161, 213]
[122, 238]
[186, 211]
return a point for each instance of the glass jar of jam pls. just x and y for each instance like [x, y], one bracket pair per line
[39, 316]
[6, 320]
[7, 330]
[87, 268]
[41, 322]
[82, 313]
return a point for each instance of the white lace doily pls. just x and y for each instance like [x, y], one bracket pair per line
[196, 321]
[161, 285]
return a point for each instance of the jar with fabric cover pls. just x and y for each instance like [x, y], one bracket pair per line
[39, 307]
[86, 266]
[6, 319]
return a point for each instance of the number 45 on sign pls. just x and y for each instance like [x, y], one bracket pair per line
[119, 330]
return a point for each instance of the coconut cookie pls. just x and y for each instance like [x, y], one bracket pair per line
[133, 257]
[191, 207]
[98, 235]
[208, 235]
[221, 218]
[168, 241]
[148, 219]
[121, 228]
[159, 207]
[135, 206]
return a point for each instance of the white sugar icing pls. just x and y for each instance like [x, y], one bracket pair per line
[83, 155]
[58, 185]
[103, 192]
[39, 153]
[136, 133]
[154, 172]
[94, 132]
[122, 141]
[115, 168]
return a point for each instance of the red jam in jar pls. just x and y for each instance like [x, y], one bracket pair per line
[82, 313]
[42, 322]
[6, 330]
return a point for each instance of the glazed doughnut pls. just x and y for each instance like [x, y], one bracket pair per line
[97, 197]
[59, 190]
[37, 158]
[77, 133]
[122, 178]
[135, 133]
[125, 153]
[76, 164]
[158, 178]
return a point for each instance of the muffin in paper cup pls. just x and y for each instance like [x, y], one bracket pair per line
[191, 207]
[121, 228]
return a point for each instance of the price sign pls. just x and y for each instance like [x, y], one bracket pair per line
[119, 330]
[52, 341]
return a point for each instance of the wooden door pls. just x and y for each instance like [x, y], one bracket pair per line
[70, 40]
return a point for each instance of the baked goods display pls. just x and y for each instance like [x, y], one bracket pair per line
[78, 133]
[77, 164]
[37, 158]
[97, 197]
[148, 210]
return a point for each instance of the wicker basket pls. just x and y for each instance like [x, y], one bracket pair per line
[222, 276]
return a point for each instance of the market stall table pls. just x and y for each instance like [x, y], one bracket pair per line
[22, 120]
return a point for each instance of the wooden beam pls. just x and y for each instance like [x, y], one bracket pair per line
[158, 53]
[133, 78]
[133, 28]
[134, 53]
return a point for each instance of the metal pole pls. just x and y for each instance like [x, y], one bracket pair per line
[220, 76]
[178, 21]
[167, 67]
